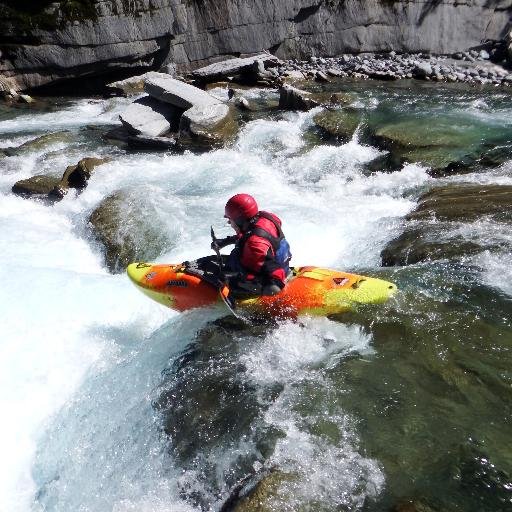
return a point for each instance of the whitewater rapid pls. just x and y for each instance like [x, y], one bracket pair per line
[82, 351]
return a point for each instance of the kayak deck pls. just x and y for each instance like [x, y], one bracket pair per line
[309, 290]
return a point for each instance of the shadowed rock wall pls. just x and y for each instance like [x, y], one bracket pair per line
[50, 42]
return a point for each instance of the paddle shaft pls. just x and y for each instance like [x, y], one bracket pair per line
[219, 257]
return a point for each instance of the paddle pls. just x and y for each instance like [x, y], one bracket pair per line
[219, 257]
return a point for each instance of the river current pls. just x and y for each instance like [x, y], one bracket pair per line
[110, 402]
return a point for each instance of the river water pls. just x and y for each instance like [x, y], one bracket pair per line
[110, 402]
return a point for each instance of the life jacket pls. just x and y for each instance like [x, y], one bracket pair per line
[280, 247]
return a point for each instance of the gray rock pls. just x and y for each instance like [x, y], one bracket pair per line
[219, 70]
[321, 77]
[291, 98]
[134, 84]
[206, 115]
[25, 98]
[334, 72]
[169, 69]
[422, 70]
[207, 125]
[242, 103]
[180, 94]
[149, 117]
[121, 223]
[294, 75]
[153, 143]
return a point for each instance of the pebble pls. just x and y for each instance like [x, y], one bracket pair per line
[396, 66]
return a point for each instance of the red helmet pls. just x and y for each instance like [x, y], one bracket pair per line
[241, 207]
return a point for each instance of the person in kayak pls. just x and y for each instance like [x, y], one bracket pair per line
[259, 263]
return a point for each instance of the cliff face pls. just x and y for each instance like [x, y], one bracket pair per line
[51, 42]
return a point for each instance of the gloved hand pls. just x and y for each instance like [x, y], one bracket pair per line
[219, 243]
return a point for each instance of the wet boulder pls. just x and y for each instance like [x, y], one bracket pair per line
[426, 243]
[51, 187]
[76, 176]
[465, 203]
[339, 123]
[265, 496]
[38, 186]
[207, 125]
[122, 224]
[432, 230]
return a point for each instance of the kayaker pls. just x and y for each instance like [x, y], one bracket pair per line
[260, 259]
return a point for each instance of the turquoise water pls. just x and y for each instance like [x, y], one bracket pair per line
[115, 403]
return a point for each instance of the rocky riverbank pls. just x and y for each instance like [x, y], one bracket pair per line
[474, 67]
[485, 66]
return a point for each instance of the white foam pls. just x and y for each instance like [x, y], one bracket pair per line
[496, 270]
[321, 470]
[77, 113]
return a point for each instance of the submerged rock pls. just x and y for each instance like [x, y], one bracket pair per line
[429, 234]
[340, 123]
[481, 478]
[412, 505]
[265, 496]
[39, 143]
[435, 143]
